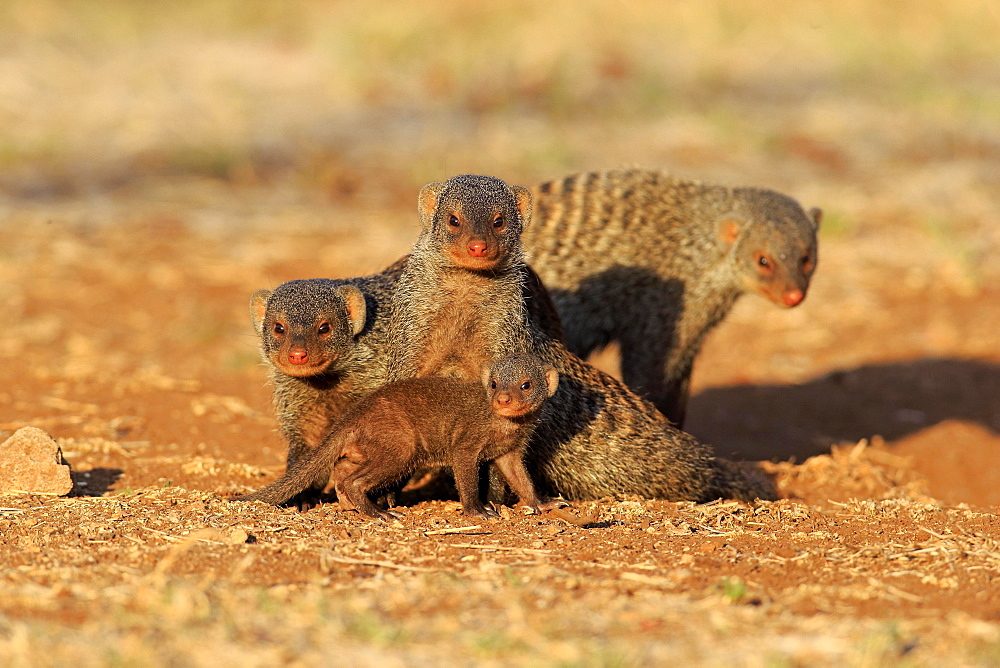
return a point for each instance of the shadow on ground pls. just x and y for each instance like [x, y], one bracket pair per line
[780, 422]
[95, 482]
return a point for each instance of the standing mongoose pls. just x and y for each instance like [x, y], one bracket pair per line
[654, 262]
[459, 304]
[324, 344]
[431, 421]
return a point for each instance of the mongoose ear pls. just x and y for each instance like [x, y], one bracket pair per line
[551, 379]
[523, 197]
[816, 214]
[357, 309]
[728, 230]
[427, 202]
[258, 308]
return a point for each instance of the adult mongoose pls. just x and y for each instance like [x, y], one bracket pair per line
[459, 304]
[654, 262]
[323, 342]
[430, 421]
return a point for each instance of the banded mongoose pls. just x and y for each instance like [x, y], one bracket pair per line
[432, 421]
[654, 262]
[459, 303]
[451, 311]
[323, 342]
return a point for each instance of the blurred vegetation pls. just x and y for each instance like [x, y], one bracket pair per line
[209, 87]
[877, 112]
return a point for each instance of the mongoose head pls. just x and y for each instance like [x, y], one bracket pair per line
[772, 243]
[305, 326]
[475, 222]
[518, 384]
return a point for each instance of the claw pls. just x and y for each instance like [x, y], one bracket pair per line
[484, 512]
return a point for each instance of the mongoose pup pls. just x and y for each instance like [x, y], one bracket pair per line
[654, 262]
[324, 344]
[459, 304]
[422, 422]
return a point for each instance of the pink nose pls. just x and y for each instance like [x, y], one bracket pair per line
[793, 297]
[502, 399]
[298, 357]
[477, 249]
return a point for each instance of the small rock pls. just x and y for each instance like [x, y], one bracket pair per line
[33, 462]
[237, 536]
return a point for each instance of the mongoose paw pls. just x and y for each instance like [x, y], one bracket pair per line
[485, 512]
[305, 500]
[386, 515]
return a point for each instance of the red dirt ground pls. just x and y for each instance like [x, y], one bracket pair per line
[128, 340]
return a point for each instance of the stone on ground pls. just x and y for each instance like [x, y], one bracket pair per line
[31, 461]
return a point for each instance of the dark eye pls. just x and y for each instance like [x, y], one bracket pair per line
[493, 385]
[498, 222]
[764, 263]
[324, 328]
[279, 328]
[526, 385]
[453, 220]
[806, 263]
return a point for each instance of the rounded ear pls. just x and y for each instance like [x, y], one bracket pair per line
[357, 309]
[551, 379]
[485, 377]
[816, 214]
[258, 309]
[524, 206]
[727, 230]
[427, 202]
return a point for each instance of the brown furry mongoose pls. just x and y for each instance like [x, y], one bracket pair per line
[431, 421]
[654, 262]
[323, 342]
[459, 304]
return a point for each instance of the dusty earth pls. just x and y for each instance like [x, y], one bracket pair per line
[128, 342]
[156, 169]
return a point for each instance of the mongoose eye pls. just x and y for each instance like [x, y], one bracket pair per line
[526, 385]
[279, 328]
[764, 263]
[807, 264]
[498, 222]
[453, 220]
[493, 385]
[324, 328]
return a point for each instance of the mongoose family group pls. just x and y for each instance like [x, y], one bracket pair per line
[430, 421]
[654, 262]
[464, 299]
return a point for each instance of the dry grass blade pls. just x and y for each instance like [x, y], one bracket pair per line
[474, 529]
[378, 564]
[499, 548]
